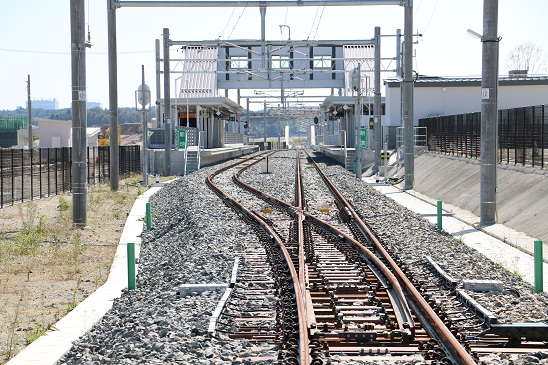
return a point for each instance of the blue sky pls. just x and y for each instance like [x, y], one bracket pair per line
[35, 39]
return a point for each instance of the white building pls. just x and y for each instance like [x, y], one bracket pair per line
[54, 133]
[49, 104]
[446, 96]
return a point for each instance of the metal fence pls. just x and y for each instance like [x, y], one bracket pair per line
[232, 138]
[43, 172]
[522, 135]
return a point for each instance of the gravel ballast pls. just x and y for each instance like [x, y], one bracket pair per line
[194, 240]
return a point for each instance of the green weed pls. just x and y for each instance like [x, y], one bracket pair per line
[74, 298]
[33, 231]
[64, 204]
[39, 330]
[9, 350]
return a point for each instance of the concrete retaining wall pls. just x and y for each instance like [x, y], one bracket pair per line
[522, 196]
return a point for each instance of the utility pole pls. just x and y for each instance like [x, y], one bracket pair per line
[29, 111]
[489, 122]
[79, 142]
[167, 105]
[114, 161]
[407, 98]
[377, 126]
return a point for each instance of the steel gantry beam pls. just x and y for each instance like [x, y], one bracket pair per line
[255, 4]
[407, 82]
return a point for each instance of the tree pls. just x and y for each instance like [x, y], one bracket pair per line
[527, 56]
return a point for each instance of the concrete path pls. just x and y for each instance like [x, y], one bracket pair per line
[53, 344]
[461, 224]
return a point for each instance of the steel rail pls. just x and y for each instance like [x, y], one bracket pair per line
[304, 352]
[439, 330]
[302, 267]
[405, 315]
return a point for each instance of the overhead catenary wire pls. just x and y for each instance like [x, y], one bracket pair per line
[319, 21]
[417, 8]
[237, 21]
[227, 23]
[235, 25]
[313, 23]
[431, 17]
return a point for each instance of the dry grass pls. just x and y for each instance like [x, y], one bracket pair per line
[47, 266]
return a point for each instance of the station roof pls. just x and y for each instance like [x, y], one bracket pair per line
[218, 102]
[438, 81]
[333, 102]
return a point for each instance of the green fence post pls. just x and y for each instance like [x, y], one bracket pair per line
[131, 266]
[439, 216]
[148, 217]
[539, 280]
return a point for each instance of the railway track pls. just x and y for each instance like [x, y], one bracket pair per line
[304, 282]
[347, 301]
[343, 296]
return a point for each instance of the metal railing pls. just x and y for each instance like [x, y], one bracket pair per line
[522, 135]
[43, 172]
[419, 137]
[233, 138]
[157, 137]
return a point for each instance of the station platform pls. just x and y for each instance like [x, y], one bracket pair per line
[48, 348]
[208, 157]
[492, 241]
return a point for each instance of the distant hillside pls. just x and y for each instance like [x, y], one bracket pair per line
[95, 116]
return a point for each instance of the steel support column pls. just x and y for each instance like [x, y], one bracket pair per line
[167, 106]
[158, 84]
[377, 107]
[358, 125]
[407, 98]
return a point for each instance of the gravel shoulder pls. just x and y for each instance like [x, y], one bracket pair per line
[47, 267]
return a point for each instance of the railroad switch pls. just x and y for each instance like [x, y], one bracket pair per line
[360, 337]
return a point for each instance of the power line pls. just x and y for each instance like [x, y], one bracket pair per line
[67, 53]
[431, 16]
[25, 51]
[138, 22]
